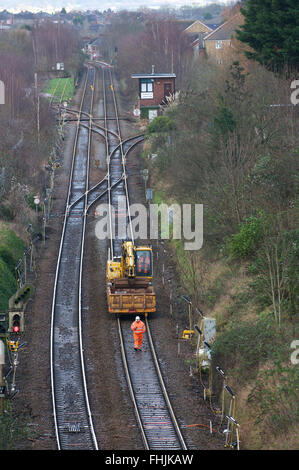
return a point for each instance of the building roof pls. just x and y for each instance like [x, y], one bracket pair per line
[5, 15]
[198, 27]
[226, 30]
[97, 42]
[153, 75]
[214, 26]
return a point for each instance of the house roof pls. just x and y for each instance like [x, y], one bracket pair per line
[198, 26]
[214, 26]
[5, 15]
[226, 30]
[97, 42]
[153, 75]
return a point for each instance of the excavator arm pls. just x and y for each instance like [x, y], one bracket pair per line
[128, 255]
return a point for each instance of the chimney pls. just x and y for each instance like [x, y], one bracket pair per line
[153, 69]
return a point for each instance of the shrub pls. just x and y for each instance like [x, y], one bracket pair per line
[244, 345]
[6, 212]
[274, 397]
[11, 249]
[244, 243]
[29, 198]
[161, 124]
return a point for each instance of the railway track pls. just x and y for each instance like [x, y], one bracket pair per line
[57, 100]
[154, 414]
[71, 410]
[72, 415]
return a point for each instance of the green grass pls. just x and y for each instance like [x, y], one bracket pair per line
[15, 244]
[60, 87]
[11, 249]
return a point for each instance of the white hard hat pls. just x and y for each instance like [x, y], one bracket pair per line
[137, 318]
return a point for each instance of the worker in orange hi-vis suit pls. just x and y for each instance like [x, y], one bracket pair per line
[138, 328]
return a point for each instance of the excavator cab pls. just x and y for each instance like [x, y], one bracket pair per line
[144, 262]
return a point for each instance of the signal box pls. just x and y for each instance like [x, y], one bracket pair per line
[154, 89]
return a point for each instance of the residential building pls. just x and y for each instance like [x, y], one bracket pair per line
[94, 49]
[219, 45]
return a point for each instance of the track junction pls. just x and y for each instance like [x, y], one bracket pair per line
[73, 417]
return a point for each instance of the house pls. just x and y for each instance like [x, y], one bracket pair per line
[94, 48]
[196, 33]
[219, 44]
[24, 18]
[154, 88]
[6, 20]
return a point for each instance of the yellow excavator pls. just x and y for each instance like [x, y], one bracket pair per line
[129, 281]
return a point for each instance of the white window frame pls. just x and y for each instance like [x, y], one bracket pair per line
[146, 87]
[219, 44]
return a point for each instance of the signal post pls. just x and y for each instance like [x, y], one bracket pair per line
[17, 305]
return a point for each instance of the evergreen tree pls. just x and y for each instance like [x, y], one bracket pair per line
[271, 29]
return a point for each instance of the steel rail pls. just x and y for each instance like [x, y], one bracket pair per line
[109, 156]
[103, 194]
[108, 164]
[53, 95]
[81, 273]
[171, 433]
[122, 154]
[62, 94]
[55, 290]
[57, 272]
[107, 176]
[154, 413]
[166, 397]
[131, 387]
[73, 111]
[114, 184]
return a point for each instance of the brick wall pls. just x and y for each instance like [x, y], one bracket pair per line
[226, 54]
[158, 92]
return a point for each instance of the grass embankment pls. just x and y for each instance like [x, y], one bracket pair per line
[11, 250]
[61, 88]
[250, 347]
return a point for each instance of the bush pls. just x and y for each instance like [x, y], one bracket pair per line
[29, 198]
[275, 398]
[244, 345]
[6, 212]
[244, 243]
[11, 249]
[161, 124]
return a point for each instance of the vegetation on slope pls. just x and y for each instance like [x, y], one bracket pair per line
[238, 156]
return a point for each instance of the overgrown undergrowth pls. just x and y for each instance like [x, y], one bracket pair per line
[246, 274]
